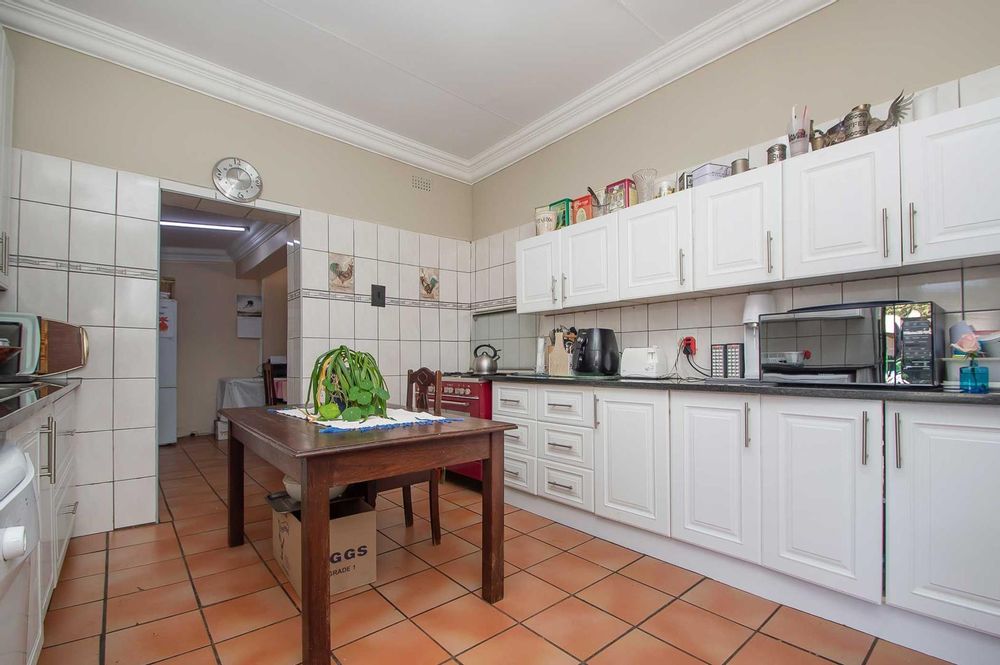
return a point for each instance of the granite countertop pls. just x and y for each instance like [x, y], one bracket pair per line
[764, 388]
[30, 399]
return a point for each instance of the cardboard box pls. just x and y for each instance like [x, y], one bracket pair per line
[221, 429]
[352, 544]
[583, 209]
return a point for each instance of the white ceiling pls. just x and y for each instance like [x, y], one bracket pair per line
[447, 80]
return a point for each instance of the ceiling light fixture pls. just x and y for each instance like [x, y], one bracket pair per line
[204, 227]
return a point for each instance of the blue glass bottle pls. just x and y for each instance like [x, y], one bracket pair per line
[974, 378]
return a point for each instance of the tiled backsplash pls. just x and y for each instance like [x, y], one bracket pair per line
[86, 240]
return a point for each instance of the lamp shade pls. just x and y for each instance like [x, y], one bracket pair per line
[757, 304]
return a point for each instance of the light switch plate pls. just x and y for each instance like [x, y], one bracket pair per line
[378, 295]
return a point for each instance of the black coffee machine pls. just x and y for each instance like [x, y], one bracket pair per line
[596, 352]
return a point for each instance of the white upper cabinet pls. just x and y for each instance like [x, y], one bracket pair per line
[737, 229]
[841, 208]
[715, 472]
[948, 184]
[6, 156]
[589, 260]
[822, 492]
[655, 245]
[632, 458]
[942, 538]
[539, 287]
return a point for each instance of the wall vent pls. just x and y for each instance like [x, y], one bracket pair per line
[420, 183]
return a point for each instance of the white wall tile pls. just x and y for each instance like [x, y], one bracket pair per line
[509, 244]
[944, 288]
[315, 317]
[409, 247]
[45, 178]
[509, 280]
[511, 324]
[634, 339]
[137, 243]
[464, 325]
[728, 335]
[694, 313]
[134, 403]
[96, 511]
[15, 173]
[448, 324]
[294, 308]
[368, 346]
[135, 353]
[100, 361]
[365, 239]
[982, 288]
[341, 235]
[388, 276]
[449, 356]
[609, 318]
[430, 326]
[820, 294]
[409, 282]
[430, 355]
[135, 502]
[94, 405]
[728, 310]
[481, 258]
[409, 323]
[448, 249]
[885, 288]
[365, 274]
[341, 318]
[313, 229]
[388, 322]
[316, 269]
[91, 237]
[634, 318]
[312, 349]
[409, 356]
[496, 282]
[93, 188]
[138, 196]
[496, 249]
[663, 316]
[463, 252]
[388, 357]
[979, 87]
[136, 302]
[586, 319]
[464, 290]
[135, 453]
[429, 252]
[94, 457]
[43, 230]
[482, 292]
[388, 243]
[449, 287]
[365, 321]
[43, 292]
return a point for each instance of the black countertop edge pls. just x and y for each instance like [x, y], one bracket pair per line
[62, 387]
[764, 388]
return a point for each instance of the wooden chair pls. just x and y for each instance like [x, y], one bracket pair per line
[267, 369]
[418, 397]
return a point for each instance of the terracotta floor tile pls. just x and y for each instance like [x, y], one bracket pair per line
[141, 578]
[517, 645]
[86, 544]
[83, 565]
[734, 604]
[525, 595]
[156, 640]
[400, 643]
[525, 521]
[241, 615]
[525, 551]
[661, 575]
[640, 647]
[396, 564]
[258, 530]
[205, 541]
[217, 561]
[393, 496]
[577, 627]
[264, 548]
[146, 606]
[408, 535]
[253, 514]
[561, 536]
[81, 652]
[829, 639]
[423, 508]
[347, 593]
[275, 568]
[390, 517]
[625, 598]
[232, 583]
[196, 509]
[204, 656]
[764, 650]
[605, 554]
[384, 543]
[201, 523]
[140, 534]
[456, 519]
[463, 623]
[468, 570]
[73, 623]
[141, 555]
[77, 591]
[478, 508]
[280, 644]
[420, 592]
[569, 572]
[887, 653]
[700, 633]
[451, 547]
[464, 497]
[474, 534]
[360, 615]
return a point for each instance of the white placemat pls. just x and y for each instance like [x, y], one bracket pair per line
[393, 418]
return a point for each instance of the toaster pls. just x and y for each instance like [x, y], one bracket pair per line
[648, 362]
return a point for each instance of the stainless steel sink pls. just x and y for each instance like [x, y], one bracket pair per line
[14, 390]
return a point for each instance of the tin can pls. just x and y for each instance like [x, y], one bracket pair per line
[856, 122]
[740, 165]
[776, 153]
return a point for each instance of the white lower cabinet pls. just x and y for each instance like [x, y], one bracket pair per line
[942, 494]
[567, 444]
[521, 440]
[715, 451]
[822, 492]
[632, 460]
[570, 406]
[519, 472]
[566, 484]
[513, 401]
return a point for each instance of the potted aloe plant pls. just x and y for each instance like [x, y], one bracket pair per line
[347, 385]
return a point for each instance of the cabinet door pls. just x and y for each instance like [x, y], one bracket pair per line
[589, 258]
[519, 472]
[715, 472]
[822, 492]
[942, 540]
[520, 440]
[537, 261]
[948, 163]
[632, 464]
[737, 229]
[572, 406]
[6, 156]
[841, 207]
[513, 400]
[655, 245]
[46, 504]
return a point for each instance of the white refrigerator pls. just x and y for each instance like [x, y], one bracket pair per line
[167, 418]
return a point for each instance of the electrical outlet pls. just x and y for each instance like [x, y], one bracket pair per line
[689, 346]
[378, 295]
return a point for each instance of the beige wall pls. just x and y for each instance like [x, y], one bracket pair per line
[207, 346]
[76, 106]
[850, 52]
[274, 291]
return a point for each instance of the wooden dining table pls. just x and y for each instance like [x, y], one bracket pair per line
[319, 460]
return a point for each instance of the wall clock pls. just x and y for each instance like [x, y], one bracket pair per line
[237, 179]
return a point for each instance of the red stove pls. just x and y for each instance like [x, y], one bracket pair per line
[467, 394]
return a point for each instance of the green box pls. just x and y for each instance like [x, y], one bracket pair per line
[562, 208]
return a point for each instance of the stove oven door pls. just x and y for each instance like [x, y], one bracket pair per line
[463, 407]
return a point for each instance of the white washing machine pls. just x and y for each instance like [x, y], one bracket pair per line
[20, 615]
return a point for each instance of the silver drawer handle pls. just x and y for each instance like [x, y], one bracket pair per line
[516, 437]
[71, 508]
[554, 484]
[680, 265]
[564, 446]
[559, 406]
[913, 237]
[864, 438]
[885, 232]
[899, 452]
[770, 264]
[746, 424]
[505, 400]
[511, 474]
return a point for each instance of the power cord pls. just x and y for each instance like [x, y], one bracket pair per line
[696, 368]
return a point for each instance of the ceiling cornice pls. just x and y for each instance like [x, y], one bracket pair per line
[194, 255]
[741, 24]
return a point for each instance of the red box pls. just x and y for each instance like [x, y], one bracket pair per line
[583, 209]
[620, 195]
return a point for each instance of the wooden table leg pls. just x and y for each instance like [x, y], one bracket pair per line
[235, 491]
[315, 565]
[493, 521]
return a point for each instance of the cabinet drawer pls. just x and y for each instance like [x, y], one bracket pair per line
[567, 444]
[519, 472]
[64, 517]
[571, 406]
[511, 400]
[570, 485]
[520, 440]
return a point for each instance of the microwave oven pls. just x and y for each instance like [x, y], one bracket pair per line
[885, 343]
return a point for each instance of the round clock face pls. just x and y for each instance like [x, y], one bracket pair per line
[237, 179]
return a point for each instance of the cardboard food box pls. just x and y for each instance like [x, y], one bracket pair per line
[563, 209]
[620, 195]
[352, 544]
[583, 209]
